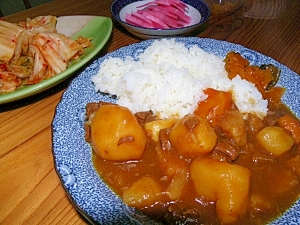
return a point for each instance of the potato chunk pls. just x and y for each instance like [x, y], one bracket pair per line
[192, 136]
[275, 140]
[116, 134]
[154, 127]
[225, 184]
[144, 192]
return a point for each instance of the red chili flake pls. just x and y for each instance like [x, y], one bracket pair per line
[3, 67]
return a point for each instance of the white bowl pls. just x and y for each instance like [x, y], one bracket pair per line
[197, 10]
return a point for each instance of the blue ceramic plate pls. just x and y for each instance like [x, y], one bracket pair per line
[73, 155]
[197, 10]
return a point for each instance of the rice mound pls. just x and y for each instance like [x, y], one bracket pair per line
[169, 78]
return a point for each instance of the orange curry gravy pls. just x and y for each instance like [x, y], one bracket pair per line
[274, 179]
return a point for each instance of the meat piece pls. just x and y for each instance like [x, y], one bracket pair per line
[87, 134]
[254, 124]
[270, 120]
[234, 127]
[164, 139]
[261, 157]
[144, 117]
[91, 108]
[125, 139]
[191, 123]
[226, 150]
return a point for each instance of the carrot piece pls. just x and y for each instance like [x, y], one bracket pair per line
[214, 106]
[291, 124]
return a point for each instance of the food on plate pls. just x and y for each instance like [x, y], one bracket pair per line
[180, 74]
[192, 136]
[144, 192]
[275, 139]
[228, 153]
[128, 141]
[160, 14]
[227, 185]
[291, 124]
[32, 51]
[154, 127]
[264, 77]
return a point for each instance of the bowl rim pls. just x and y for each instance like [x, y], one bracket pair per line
[202, 18]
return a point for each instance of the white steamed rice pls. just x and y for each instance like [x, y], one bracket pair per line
[169, 78]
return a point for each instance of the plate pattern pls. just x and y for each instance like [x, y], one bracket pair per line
[72, 155]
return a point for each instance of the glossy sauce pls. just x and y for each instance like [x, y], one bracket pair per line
[274, 179]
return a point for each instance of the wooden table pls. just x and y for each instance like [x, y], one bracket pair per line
[30, 190]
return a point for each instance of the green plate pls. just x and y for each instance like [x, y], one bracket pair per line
[96, 27]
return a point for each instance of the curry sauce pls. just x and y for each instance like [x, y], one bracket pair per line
[244, 171]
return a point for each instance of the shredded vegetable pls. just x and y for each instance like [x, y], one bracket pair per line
[32, 51]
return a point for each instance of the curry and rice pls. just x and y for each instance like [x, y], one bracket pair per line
[194, 138]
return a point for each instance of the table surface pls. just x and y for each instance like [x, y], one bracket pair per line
[30, 190]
